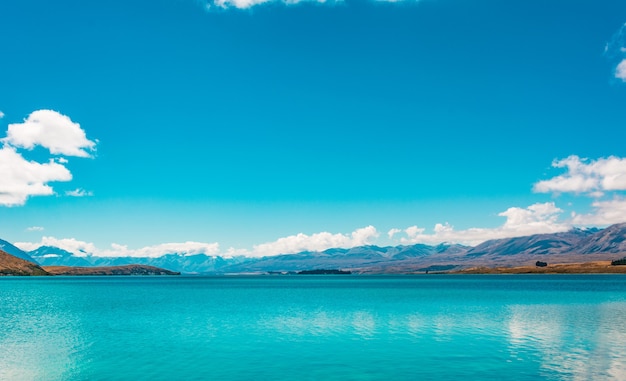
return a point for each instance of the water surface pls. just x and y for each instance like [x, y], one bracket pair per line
[517, 327]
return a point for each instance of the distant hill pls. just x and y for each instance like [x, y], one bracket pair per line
[111, 270]
[12, 265]
[576, 245]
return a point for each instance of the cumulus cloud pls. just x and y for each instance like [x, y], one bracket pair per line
[34, 229]
[535, 219]
[82, 248]
[22, 178]
[79, 192]
[1, 115]
[52, 130]
[315, 242]
[586, 176]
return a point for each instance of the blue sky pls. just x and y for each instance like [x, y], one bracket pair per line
[245, 125]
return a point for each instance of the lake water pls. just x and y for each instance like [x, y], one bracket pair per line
[570, 327]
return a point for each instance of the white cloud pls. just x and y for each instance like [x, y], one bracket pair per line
[620, 70]
[22, 178]
[393, 232]
[535, 219]
[35, 229]
[82, 248]
[315, 242]
[604, 213]
[1, 115]
[584, 175]
[51, 130]
[79, 192]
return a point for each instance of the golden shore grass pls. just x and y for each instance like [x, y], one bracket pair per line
[596, 267]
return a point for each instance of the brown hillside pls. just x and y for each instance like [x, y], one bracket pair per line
[10, 265]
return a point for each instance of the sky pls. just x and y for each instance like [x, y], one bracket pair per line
[254, 127]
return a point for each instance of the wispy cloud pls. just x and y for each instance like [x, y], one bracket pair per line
[1, 115]
[615, 51]
[35, 229]
[79, 192]
[22, 178]
[246, 4]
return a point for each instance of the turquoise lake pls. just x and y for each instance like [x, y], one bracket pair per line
[432, 327]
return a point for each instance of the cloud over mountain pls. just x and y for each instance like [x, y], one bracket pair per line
[316, 242]
[535, 219]
[82, 248]
[604, 213]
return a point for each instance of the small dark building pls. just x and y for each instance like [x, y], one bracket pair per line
[541, 264]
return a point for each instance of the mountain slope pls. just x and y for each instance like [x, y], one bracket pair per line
[609, 240]
[11, 265]
[15, 251]
[555, 243]
[53, 256]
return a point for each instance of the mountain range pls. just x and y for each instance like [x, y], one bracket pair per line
[576, 245]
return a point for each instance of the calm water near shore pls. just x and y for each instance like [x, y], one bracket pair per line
[516, 327]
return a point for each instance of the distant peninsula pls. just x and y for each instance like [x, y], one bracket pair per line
[13, 266]
[324, 272]
[108, 270]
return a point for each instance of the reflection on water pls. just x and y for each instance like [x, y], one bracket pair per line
[42, 343]
[577, 342]
[401, 328]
